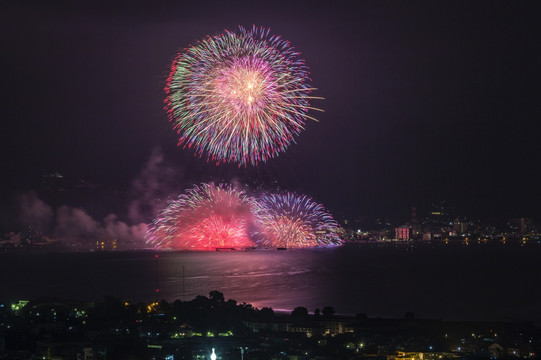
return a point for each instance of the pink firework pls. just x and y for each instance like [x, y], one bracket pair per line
[295, 221]
[239, 97]
[206, 217]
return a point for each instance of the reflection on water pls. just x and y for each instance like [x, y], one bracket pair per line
[450, 282]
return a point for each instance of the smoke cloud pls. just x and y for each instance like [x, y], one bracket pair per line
[76, 226]
[152, 187]
[74, 223]
[33, 211]
[149, 192]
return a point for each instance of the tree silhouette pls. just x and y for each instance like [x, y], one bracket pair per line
[216, 296]
[328, 311]
[299, 312]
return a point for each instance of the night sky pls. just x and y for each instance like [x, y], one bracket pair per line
[424, 101]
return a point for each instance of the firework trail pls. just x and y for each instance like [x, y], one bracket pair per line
[295, 221]
[204, 218]
[239, 97]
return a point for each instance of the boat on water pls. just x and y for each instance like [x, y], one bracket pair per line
[225, 249]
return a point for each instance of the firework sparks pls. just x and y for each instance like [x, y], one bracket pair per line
[293, 221]
[239, 97]
[206, 217]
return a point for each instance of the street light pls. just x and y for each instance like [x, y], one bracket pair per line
[242, 352]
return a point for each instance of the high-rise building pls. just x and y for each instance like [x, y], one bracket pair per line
[402, 233]
[415, 226]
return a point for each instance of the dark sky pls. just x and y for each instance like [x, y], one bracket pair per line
[424, 101]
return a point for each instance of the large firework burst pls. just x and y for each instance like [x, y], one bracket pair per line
[204, 218]
[295, 221]
[239, 96]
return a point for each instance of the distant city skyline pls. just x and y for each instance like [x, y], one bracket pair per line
[134, 205]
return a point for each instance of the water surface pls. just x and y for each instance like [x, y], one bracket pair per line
[453, 282]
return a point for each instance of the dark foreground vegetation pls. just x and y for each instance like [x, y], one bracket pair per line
[118, 329]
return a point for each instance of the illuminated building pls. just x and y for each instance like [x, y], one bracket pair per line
[322, 327]
[416, 355]
[16, 307]
[110, 244]
[402, 233]
[460, 227]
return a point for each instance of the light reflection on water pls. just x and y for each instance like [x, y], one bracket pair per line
[450, 282]
[261, 278]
